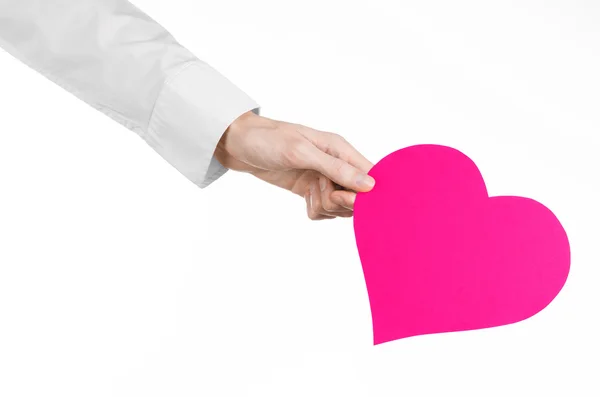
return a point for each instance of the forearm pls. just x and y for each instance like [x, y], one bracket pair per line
[120, 61]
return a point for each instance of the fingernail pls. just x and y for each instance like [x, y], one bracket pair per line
[365, 181]
[322, 184]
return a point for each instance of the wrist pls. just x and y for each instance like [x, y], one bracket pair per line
[243, 121]
[231, 145]
[240, 125]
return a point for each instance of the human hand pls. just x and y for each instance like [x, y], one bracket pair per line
[320, 166]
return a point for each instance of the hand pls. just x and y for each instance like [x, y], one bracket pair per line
[320, 166]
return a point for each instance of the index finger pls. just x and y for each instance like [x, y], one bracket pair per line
[336, 169]
[335, 145]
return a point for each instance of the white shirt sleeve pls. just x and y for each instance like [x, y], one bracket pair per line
[114, 57]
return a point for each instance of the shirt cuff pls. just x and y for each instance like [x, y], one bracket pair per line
[192, 112]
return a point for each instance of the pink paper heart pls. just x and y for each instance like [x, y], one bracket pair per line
[439, 255]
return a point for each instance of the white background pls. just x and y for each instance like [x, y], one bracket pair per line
[118, 277]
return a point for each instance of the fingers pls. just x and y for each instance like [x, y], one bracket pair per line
[330, 155]
[311, 209]
[318, 200]
[327, 188]
[344, 199]
[336, 146]
[337, 170]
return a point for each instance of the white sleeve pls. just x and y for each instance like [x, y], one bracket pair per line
[116, 58]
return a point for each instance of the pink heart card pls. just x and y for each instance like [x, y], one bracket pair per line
[439, 255]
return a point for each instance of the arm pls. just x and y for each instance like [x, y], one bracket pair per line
[111, 55]
[117, 59]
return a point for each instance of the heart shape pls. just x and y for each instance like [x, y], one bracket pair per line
[439, 255]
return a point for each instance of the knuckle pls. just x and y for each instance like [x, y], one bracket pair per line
[292, 152]
[339, 138]
[296, 146]
[332, 143]
[326, 147]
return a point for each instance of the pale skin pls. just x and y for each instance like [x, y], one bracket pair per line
[320, 166]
